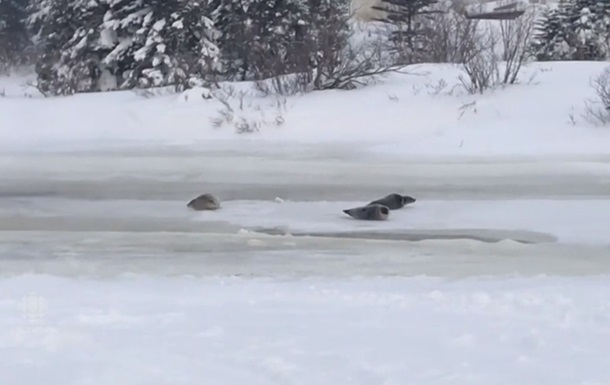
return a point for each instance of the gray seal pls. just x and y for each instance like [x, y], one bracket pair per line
[204, 202]
[374, 212]
[394, 201]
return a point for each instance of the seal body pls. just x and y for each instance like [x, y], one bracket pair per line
[374, 212]
[394, 201]
[204, 202]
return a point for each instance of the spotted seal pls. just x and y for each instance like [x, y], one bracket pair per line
[374, 212]
[204, 202]
[394, 201]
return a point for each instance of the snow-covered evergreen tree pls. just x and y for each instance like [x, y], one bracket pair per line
[575, 30]
[328, 34]
[118, 26]
[259, 38]
[584, 19]
[281, 30]
[160, 42]
[92, 45]
[231, 18]
[13, 33]
[552, 36]
[66, 33]
[408, 16]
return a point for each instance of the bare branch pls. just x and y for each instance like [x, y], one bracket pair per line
[516, 36]
[598, 109]
[482, 69]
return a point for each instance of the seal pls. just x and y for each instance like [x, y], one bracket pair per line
[204, 202]
[374, 212]
[394, 201]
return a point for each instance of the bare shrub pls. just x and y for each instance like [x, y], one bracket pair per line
[482, 68]
[243, 115]
[148, 93]
[338, 56]
[449, 37]
[597, 110]
[472, 106]
[437, 88]
[350, 67]
[516, 38]
[187, 72]
[499, 54]
[29, 84]
[285, 85]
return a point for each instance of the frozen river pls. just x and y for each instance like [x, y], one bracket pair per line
[499, 274]
[123, 211]
[107, 277]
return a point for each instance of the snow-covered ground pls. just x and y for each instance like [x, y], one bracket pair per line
[498, 273]
[424, 113]
[359, 331]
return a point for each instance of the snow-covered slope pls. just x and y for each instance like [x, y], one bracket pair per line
[424, 112]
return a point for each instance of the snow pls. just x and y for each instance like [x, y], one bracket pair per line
[159, 25]
[107, 38]
[178, 24]
[425, 113]
[497, 274]
[234, 331]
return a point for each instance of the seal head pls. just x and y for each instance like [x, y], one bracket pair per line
[406, 200]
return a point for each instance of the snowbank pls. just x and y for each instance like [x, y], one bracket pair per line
[425, 112]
